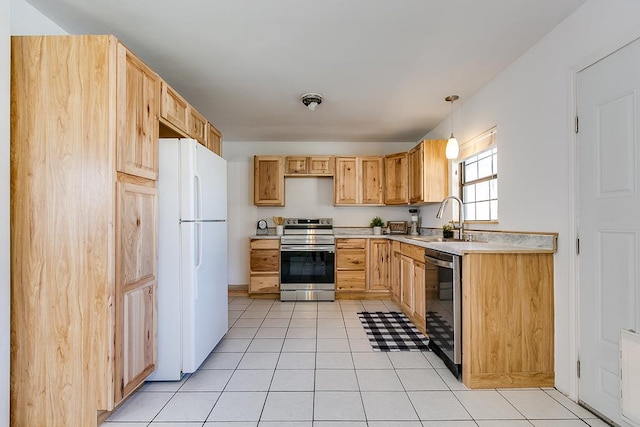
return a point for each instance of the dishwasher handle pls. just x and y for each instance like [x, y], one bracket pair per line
[438, 262]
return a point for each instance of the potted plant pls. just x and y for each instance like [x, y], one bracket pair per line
[447, 231]
[377, 224]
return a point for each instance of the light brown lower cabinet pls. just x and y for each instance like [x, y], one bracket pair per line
[264, 266]
[396, 271]
[507, 320]
[351, 264]
[378, 265]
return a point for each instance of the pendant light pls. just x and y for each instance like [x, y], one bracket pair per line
[452, 149]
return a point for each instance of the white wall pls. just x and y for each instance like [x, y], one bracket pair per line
[531, 102]
[27, 20]
[304, 197]
[5, 62]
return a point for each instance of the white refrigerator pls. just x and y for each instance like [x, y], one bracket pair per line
[192, 256]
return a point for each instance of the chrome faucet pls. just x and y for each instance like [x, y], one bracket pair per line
[443, 205]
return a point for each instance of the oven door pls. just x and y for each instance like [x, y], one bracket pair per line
[307, 267]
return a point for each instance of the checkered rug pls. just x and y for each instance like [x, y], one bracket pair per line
[392, 331]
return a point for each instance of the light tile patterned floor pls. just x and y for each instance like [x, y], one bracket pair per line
[310, 364]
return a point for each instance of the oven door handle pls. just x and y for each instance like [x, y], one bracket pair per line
[307, 248]
[438, 262]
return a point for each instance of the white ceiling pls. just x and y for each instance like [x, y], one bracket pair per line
[383, 66]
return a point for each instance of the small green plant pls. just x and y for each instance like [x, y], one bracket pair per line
[447, 230]
[376, 222]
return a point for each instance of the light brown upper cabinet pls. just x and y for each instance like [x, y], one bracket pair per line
[214, 139]
[173, 109]
[359, 181]
[268, 180]
[137, 103]
[428, 172]
[309, 165]
[83, 227]
[396, 179]
[197, 126]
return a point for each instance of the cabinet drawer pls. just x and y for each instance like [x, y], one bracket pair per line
[415, 252]
[350, 280]
[265, 260]
[264, 283]
[350, 243]
[352, 259]
[265, 244]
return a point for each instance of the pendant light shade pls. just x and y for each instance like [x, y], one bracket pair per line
[452, 149]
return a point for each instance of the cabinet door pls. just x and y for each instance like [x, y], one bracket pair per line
[346, 181]
[137, 104]
[396, 179]
[197, 126]
[320, 165]
[371, 181]
[296, 165]
[378, 265]
[436, 170]
[214, 139]
[406, 284]
[396, 275]
[173, 108]
[419, 297]
[416, 174]
[268, 181]
[136, 281]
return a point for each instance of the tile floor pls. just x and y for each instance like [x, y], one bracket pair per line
[310, 364]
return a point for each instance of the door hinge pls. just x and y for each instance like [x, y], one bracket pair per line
[577, 124]
[578, 246]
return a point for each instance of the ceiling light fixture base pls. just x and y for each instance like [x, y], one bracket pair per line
[311, 100]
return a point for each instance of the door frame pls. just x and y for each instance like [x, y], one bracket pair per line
[574, 266]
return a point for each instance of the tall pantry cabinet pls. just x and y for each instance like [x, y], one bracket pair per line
[84, 135]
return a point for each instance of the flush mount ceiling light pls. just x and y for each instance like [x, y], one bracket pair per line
[311, 100]
[452, 149]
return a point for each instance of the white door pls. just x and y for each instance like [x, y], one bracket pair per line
[609, 221]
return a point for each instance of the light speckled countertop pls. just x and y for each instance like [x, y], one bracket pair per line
[513, 243]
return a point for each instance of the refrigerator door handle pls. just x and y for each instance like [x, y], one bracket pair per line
[197, 199]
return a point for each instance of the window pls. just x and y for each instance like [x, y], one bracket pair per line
[479, 186]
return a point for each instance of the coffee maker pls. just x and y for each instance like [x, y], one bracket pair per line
[413, 225]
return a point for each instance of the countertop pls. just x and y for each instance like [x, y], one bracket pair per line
[431, 242]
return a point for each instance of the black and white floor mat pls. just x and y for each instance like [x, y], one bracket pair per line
[392, 331]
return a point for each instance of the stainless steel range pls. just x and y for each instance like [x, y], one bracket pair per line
[307, 260]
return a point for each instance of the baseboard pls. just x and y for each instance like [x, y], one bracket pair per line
[238, 290]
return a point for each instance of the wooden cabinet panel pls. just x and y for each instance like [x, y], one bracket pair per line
[309, 165]
[406, 284]
[321, 165]
[136, 269]
[268, 181]
[264, 266]
[137, 115]
[351, 264]
[346, 181]
[197, 126]
[139, 347]
[371, 182]
[378, 268]
[214, 139]
[264, 260]
[514, 353]
[428, 172]
[419, 296]
[412, 251]
[296, 165]
[350, 280]
[173, 108]
[396, 179]
[396, 271]
[358, 180]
